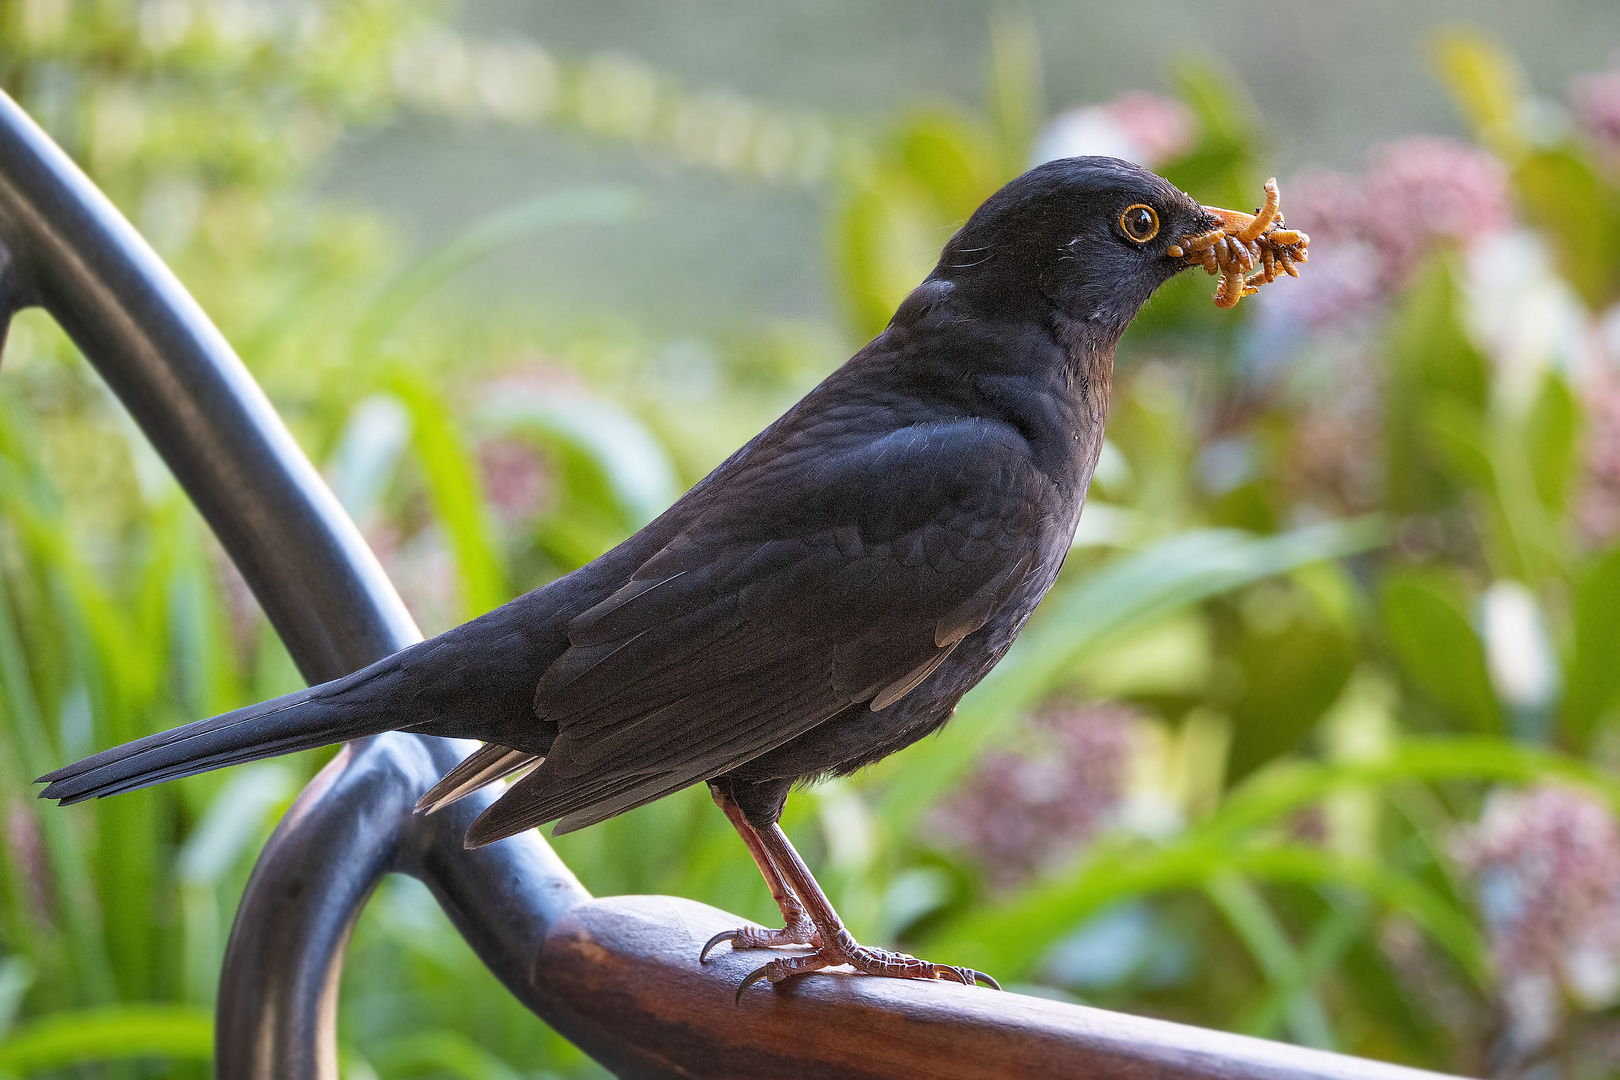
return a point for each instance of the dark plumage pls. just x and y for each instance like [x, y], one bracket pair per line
[821, 599]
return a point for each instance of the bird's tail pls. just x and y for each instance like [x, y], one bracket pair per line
[332, 712]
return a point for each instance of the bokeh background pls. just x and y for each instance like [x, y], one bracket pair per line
[1318, 736]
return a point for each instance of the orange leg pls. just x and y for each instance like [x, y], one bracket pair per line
[836, 945]
[796, 926]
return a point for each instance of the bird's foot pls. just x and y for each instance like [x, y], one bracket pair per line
[844, 949]
[798, 931]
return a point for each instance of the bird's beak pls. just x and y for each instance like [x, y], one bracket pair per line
[1220, 223]
[1247, 250]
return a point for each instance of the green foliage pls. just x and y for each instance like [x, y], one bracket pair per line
[1223, 166]
[900, 206]
[183, 1033]
[1434, 643]
[1592, 680]
[1486, 83]
[1437, 389]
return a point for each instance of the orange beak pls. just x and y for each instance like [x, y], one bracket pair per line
[1247, 250]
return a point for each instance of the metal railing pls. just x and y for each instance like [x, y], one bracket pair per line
[617, 976]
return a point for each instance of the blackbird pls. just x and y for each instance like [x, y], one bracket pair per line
[820, 600]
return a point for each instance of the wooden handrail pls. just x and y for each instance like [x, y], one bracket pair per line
[620, 978]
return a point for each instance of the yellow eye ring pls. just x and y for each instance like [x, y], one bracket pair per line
[1140, 222]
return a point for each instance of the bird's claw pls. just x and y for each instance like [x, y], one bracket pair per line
[868, 961]
[969, 977]
[753, 977]
[757, 937]
[724, 935]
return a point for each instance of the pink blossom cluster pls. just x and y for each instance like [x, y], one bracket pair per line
[1335, 460]
[1424, 190]
[1163, 128]
[1138, 126]
[1369, 232]
[1597, 510]
[1595, 100]
[1021, 814]
[1546, 867]
[516, 478]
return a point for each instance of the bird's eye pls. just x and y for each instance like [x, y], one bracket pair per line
[1140, 223]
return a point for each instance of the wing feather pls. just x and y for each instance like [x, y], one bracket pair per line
[780, 606]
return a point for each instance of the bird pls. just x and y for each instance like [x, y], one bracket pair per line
[821, 600]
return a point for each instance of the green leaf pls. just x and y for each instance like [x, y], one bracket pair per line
[1580, 211]
[1431, 362]
[1221, 168]
[1430, 635]
[109, 1034]
[1552, 439]
[442, 1051]
[1013, 936]
[1284, 787]
[1487, 85]
[898, 207]
[884, 244]
[1592, 680]
[458, 496]
[1461, 442]
[1017, 87]
[1291, 678]
[1245, 908]
[16, 976]
[632, 460]
[1328, 942]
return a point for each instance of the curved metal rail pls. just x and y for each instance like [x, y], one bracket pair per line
[619, 977]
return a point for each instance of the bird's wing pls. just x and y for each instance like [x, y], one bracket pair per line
[815, 581]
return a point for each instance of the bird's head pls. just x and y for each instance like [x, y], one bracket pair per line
[1088, 237]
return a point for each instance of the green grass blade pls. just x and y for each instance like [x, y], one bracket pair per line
[1248, 913]
[458, 497]
[1011, 938]
[109, 1034]
[442, 1052]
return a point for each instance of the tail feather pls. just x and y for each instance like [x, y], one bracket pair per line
[318, 716]
[482, 767]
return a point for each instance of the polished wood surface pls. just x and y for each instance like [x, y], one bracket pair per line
[620, 976]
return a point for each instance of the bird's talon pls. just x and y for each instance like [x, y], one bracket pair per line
[724, 935]
[757, 975]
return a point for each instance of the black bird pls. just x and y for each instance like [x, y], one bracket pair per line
[820, 600]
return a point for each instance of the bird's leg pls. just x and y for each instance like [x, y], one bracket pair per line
[796, 926]
[837, 946]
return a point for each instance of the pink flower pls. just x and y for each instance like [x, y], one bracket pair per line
[1597, 508]
[1546, 866]
[1425, 190]
[1415, 193]
[1595, 100]
[1137, 126]
[1162, 128]
[1021, 814]
[516, 478]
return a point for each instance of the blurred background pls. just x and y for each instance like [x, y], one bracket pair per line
[1317, 738]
